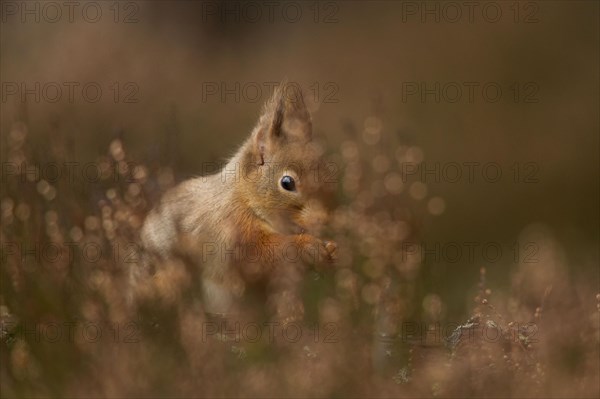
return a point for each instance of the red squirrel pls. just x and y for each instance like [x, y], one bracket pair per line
[249, 221]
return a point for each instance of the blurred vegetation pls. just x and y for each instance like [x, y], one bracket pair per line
[542, 317]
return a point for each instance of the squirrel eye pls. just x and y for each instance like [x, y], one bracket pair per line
[288, 183]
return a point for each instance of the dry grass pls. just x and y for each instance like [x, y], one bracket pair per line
[540, 338]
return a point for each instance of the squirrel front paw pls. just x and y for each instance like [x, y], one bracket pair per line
[315, 250]
[326, 252]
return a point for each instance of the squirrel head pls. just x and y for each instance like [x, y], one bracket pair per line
[281, 164]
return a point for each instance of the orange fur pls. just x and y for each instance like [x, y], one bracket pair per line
[240, 225]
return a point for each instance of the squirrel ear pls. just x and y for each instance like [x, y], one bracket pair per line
[284, 117]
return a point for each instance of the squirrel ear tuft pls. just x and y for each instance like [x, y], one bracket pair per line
[284, 116]
[287, 113]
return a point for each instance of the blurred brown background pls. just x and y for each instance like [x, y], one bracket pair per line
[369, 53]
[173, 61]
